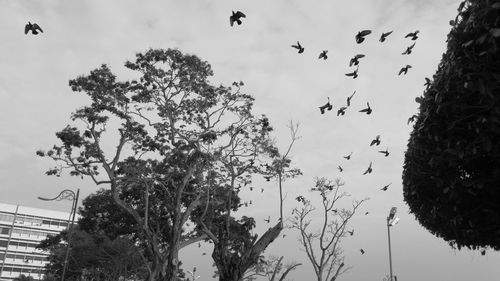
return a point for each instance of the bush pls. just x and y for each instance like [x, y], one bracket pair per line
[451, 176]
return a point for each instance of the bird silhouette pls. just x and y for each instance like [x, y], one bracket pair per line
[360, 37]
[351, 232]
[385, 187]
[362, 251]
[298, 47]
[384, 36]
[368, 110]
[300, 199]
[33, 27]
[354, 74]
[268, 219]
[408, 49]
[236, 17]
[412, 118]
[376, 141]
[341, 111]
[335, 210]
[404, 69]
[355, 59]
[369, 170]
[366, 213]
[413, 35]
[204, 254]
[385, 152]
[328, 106]
[268, 178]
[323, 55]
[349, 99]
[348, 156]
[340, 168]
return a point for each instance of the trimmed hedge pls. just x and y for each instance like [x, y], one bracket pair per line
[451, 176]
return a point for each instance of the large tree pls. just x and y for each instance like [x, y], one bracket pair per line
[451, 174]
[174, 135]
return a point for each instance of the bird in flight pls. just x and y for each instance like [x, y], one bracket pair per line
[236, 17]
[385, 152]
[33, 27]
[349, 99]
[298, 47]
[384, 35]
[351, 232]
[323, 55]
[362, 251]
[366, 213]
[368, 110]
[268, 219]
[376, 141]
[404, 69]
[341, 111]
[412, 118]
[369, 170]
[385, 187]
[354, 74]
[348, 156]
[328, 106]
[408, 49]
[340, 168]
[413, 35]
[355, 59]
[360, 37]
[300, 199]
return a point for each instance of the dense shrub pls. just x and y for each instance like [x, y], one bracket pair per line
[451, 174]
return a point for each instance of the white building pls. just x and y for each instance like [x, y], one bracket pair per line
[21, 229]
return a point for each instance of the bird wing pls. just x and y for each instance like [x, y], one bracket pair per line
[240, 14]
[36, 26]
[364, 110]
[26, 29]
[387, 33]
[296, 47]
[364, 32]
[411, 47]
[358, 56]
[231, 20]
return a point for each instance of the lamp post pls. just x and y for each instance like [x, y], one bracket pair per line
[391, 220]
[67, 194]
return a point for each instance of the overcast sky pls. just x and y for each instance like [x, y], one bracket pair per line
[79, 36]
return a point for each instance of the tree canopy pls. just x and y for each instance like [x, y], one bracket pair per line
[184, 149]
[451, 174]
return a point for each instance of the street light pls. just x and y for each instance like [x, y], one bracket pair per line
[391, 221]
[67, 194]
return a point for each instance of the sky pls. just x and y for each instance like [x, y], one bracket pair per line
[79, 36]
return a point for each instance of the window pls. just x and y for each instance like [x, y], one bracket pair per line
[5, 230]
[3, 243]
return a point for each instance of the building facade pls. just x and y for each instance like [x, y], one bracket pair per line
[21, 229]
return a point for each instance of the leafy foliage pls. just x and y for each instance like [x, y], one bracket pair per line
[93, 256]
[182, 144]
[451, 172]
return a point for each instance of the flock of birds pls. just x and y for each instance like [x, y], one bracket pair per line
[236, 17]
[353, 62]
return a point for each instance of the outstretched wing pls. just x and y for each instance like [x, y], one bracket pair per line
[231, 20]
[240, 14]
[26, 29]
[365, 32]
[358, 56]
[37, 27]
